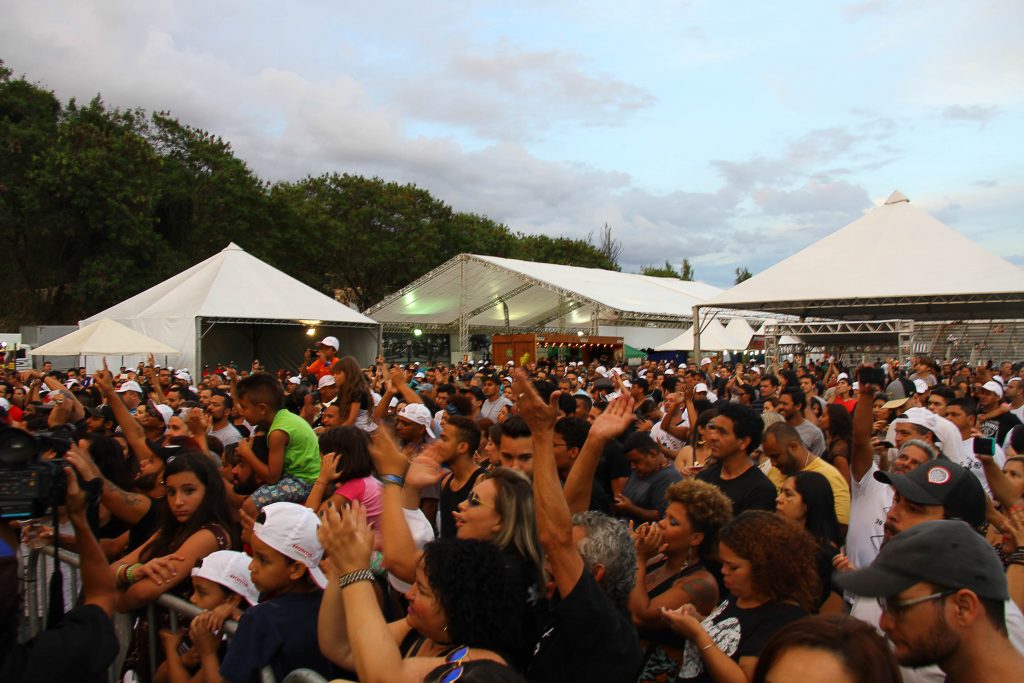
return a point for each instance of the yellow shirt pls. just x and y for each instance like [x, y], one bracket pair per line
[840, 489]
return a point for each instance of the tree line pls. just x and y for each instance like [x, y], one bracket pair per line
[98, 203]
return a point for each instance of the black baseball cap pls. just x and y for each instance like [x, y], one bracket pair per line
[942, 482]
[944, 552]
[104, 412]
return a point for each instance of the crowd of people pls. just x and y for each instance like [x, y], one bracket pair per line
[561, 521]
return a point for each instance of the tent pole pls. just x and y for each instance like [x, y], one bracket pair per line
[463, 329]
[696, 333]
[198, 369]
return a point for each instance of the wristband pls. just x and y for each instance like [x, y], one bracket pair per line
[355, 577]
[393, 479]
[709, 645]
[119, 575]
[129, 574]
[1016, 557]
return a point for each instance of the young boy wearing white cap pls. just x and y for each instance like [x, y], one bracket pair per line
[281, 631]
[222, 587]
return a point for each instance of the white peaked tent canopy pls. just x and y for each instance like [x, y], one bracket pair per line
[894, 262]
[234, 307]
[104, 337]
[740, 331]
[784, 340]
[493, 293]
[713, 337]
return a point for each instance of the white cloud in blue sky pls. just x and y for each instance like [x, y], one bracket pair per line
[727, 133]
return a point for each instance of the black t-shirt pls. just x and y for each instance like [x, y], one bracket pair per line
[80, 648]
[450, 501]
[752, 490]
[146, 527]
[738, 633]
[612, 465]
[999, 427]
[586, 638]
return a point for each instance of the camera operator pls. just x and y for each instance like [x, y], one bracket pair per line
[82, 645]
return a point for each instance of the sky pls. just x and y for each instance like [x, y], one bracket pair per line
[730, 133]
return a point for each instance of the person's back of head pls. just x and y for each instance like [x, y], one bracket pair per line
[261, 389]
[352, 445]
[608, 543]
[640, 442]
[855, 645]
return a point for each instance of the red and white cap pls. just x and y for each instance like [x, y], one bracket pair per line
[290, 529]
[230, 569]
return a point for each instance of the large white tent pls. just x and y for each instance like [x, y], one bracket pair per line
[489, 294]
[896, 261]
[233, 307]
[713, 337]
[740, 331]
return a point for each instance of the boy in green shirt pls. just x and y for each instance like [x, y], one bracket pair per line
[294, 461]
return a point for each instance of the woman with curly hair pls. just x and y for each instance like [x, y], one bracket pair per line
[671, 570]
[768, 568]
[463, 606]
[836, 648]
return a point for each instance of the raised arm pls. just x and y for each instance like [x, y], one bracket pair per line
[131, 429]
[399, 384]
[609, 425]
[554, 519]
[862, 457]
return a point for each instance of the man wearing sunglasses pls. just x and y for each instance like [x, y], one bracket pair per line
[942, 593]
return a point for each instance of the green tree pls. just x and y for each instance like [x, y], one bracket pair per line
[742, 274]
[663, 271]
[686, 271]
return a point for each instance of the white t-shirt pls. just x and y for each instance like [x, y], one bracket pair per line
[966, 459]
[490, 409]
[665, 439]
[422, 534]
[870, 501]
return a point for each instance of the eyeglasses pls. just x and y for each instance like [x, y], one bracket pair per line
[475, 500]
[454, 672]
[896, 608]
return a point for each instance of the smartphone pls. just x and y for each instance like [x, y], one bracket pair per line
[872, 376]
[984, 445]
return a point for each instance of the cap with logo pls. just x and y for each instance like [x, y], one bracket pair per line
[944, 552]
[420, 414]
[942, 482]
[290, 529]
[230, 569]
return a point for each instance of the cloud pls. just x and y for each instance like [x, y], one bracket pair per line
[861, 10]
[971, 114]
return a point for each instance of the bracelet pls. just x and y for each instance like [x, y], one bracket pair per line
[355, 577]
[119, 575]
[709, 645]
[129, 573]
[1016, 557]
[393, 479]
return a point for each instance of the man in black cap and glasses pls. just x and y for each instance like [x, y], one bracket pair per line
[942, 592]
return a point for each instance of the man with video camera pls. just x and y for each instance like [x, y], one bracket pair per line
[82, 645]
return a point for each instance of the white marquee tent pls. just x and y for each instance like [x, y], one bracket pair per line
[489, 294]
[896, 261]
[104, 337]
[713, 337]
[740, 331]
[232, 307]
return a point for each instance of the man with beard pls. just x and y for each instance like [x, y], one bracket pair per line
[943, 600]
[219, 410]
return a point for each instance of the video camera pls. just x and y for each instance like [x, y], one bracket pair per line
[29, 487]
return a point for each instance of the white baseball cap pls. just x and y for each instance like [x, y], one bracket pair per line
[330, 341]
[326, 381]
[921, 386]
[164, 411]
[130, 385]
[705, 361]
[229, 568]
[290, 529]
[842, 376]
[995, 387]
[700, 387]
[420, 414]
[294, 380]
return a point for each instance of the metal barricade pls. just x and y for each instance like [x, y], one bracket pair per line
[34, 575]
